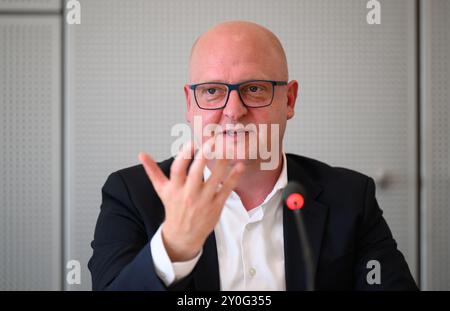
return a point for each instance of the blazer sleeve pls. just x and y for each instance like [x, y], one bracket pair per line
[375, 242]
[122, 258]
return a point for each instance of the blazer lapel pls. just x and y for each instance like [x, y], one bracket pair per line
[314, 214]
[206, 276]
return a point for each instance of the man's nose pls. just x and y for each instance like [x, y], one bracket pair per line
[235, 108]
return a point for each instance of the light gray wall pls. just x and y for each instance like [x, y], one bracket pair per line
[30, 150]
[123, 70]
[435, 146]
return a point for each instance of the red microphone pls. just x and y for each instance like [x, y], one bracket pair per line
[294, 197]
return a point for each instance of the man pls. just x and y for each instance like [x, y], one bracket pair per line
[217, 223]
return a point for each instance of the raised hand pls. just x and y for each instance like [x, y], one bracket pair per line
[192, 206]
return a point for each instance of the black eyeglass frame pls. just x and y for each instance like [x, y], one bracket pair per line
[236, 87]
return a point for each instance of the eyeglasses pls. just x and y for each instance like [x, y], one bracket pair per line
[253, 94]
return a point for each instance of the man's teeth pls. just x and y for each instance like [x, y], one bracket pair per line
[232, 132]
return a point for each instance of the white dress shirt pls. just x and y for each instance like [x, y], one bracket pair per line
[250, 244]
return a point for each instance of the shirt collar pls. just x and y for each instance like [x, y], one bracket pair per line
[281, 182]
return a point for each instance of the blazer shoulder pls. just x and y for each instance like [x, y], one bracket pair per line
[132, 182]
[137, 172]
[318, 170]
[333, 179]
[132, 187]
[347, 193]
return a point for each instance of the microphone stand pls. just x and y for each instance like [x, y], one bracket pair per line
[307, 254]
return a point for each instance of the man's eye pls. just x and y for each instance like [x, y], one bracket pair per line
[211, 91]
[253, 88]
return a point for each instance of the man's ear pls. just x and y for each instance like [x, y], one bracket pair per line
[292, 97]
[187, 94]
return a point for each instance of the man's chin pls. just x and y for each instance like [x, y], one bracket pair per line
[246, 162]
[233, 160]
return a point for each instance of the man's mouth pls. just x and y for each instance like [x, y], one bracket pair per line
[235, 132]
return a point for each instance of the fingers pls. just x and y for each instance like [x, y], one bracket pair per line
[217, 174]
[230, 183]
[153, 171]
[178, 170]
[194, 179]
[195, 176]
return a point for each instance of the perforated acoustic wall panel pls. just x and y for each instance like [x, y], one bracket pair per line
[30, 153]
[436, 144]
[356, 108]
[357, 104]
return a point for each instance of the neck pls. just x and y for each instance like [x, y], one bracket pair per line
[256, 184]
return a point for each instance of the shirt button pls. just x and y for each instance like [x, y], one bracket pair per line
[252, 271]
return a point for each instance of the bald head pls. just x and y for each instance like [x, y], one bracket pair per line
[234, 46]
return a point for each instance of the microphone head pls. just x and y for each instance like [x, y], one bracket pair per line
[294, 195]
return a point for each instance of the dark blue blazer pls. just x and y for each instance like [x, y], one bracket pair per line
[342, 218]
